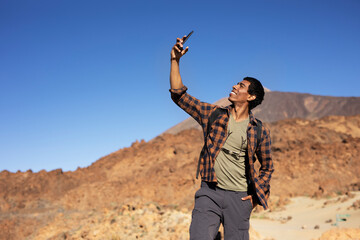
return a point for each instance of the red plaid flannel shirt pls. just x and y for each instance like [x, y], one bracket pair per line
[259, 181]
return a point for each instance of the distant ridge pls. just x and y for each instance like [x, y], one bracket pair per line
[283, 105]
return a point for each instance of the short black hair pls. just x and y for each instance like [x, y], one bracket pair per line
[257, 89]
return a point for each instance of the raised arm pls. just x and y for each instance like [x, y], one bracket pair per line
[176, 53]
[200, 111]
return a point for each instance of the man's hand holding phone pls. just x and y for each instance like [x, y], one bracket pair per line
[178, 49]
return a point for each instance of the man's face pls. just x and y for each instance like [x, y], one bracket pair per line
[239, 93]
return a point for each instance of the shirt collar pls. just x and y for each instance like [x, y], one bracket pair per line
[253, 120]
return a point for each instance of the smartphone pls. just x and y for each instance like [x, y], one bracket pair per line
[187, 36]
[185, 39]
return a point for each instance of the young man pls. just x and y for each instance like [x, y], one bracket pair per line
[230, 187]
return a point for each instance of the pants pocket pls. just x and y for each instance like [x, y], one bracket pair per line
[245, 210]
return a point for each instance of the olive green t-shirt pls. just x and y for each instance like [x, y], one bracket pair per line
[230, 162]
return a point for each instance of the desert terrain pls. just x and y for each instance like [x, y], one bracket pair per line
[146, 191]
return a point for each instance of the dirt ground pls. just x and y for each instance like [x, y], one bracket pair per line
[308, 218]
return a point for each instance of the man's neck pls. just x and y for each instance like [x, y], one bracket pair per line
[240, 112]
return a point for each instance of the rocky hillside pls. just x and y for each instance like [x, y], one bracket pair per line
[155, 179]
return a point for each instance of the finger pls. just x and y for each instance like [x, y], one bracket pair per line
[183, 37]
[185, 50]
[177, 49]
[180, 45]
[246, 198]
[179, 40]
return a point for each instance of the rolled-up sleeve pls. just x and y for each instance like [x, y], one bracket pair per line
[178, 91]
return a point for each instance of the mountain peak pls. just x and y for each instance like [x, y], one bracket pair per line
[283, 105]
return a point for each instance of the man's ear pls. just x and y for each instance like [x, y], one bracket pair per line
[251, 98]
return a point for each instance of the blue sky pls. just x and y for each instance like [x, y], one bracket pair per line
[81, 79]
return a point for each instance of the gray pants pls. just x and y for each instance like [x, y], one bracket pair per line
[213, 206]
